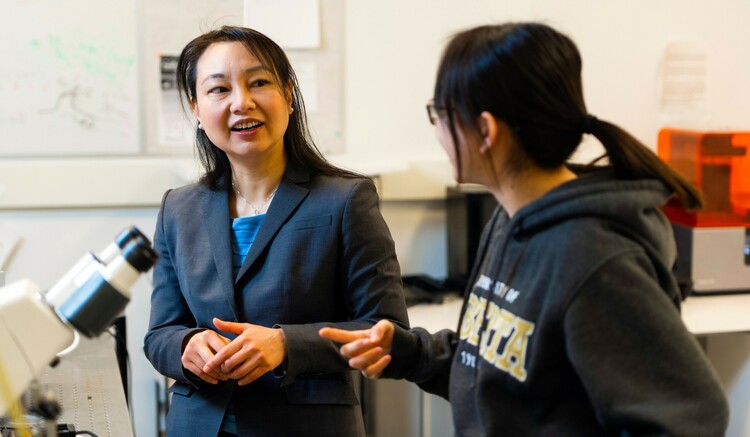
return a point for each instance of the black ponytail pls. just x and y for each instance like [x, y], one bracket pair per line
[631, 159]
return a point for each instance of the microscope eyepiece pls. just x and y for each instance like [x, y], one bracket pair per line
[139, 254]
[128, 234]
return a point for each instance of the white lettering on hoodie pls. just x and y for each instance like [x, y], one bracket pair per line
[508, 356]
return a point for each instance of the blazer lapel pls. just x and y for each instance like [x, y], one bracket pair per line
[217, 224]
[285, 202]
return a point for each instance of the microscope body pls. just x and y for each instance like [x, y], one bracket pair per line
[31, 335]
[36, 326]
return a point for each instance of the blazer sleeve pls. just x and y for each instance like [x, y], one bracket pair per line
[171, 322]
[371, 287]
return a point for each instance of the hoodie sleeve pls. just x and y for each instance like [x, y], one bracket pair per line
[423, 358]
[643, 371]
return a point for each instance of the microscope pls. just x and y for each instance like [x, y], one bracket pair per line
[36, 326]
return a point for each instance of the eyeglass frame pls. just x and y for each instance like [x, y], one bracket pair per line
[433, 111]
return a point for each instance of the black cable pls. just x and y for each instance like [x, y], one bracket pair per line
[122, 347]
[127, 376]
[126, 373]
[86, 433]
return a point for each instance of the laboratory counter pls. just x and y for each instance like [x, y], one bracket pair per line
[88, 386]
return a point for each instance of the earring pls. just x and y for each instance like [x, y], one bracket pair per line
[200, 126]
[291, 110]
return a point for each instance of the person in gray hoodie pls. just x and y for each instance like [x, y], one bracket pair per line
[571, 321]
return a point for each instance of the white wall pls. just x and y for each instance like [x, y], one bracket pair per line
[418, 229]
[393, 48]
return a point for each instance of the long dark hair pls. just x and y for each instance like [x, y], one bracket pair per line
[298, 142]
[529, 75]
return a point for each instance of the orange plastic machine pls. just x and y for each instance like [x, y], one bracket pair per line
[713, 244]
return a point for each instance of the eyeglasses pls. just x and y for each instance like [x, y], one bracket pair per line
[433, 111]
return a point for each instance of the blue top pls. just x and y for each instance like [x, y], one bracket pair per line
[244, 230]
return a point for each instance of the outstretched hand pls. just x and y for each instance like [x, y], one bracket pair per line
[368, 350]
[256, 351]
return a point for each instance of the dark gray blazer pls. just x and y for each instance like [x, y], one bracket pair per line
[322, 257]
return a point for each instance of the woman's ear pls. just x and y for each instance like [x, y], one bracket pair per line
[489, 129]
[194, 107]
[289, 94]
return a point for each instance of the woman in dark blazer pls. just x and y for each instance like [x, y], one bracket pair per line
[270, 245]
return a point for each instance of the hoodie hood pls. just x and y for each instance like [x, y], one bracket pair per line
[631, 207]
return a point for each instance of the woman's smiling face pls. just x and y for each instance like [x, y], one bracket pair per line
[239, 103]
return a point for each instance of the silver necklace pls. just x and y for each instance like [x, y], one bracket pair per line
[256, 209]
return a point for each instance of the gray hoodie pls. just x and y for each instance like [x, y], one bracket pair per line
[571, 324]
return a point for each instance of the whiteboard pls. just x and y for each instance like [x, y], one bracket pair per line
[68, 84]
[82, 78]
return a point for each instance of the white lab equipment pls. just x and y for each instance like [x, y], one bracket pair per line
[35, 326]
